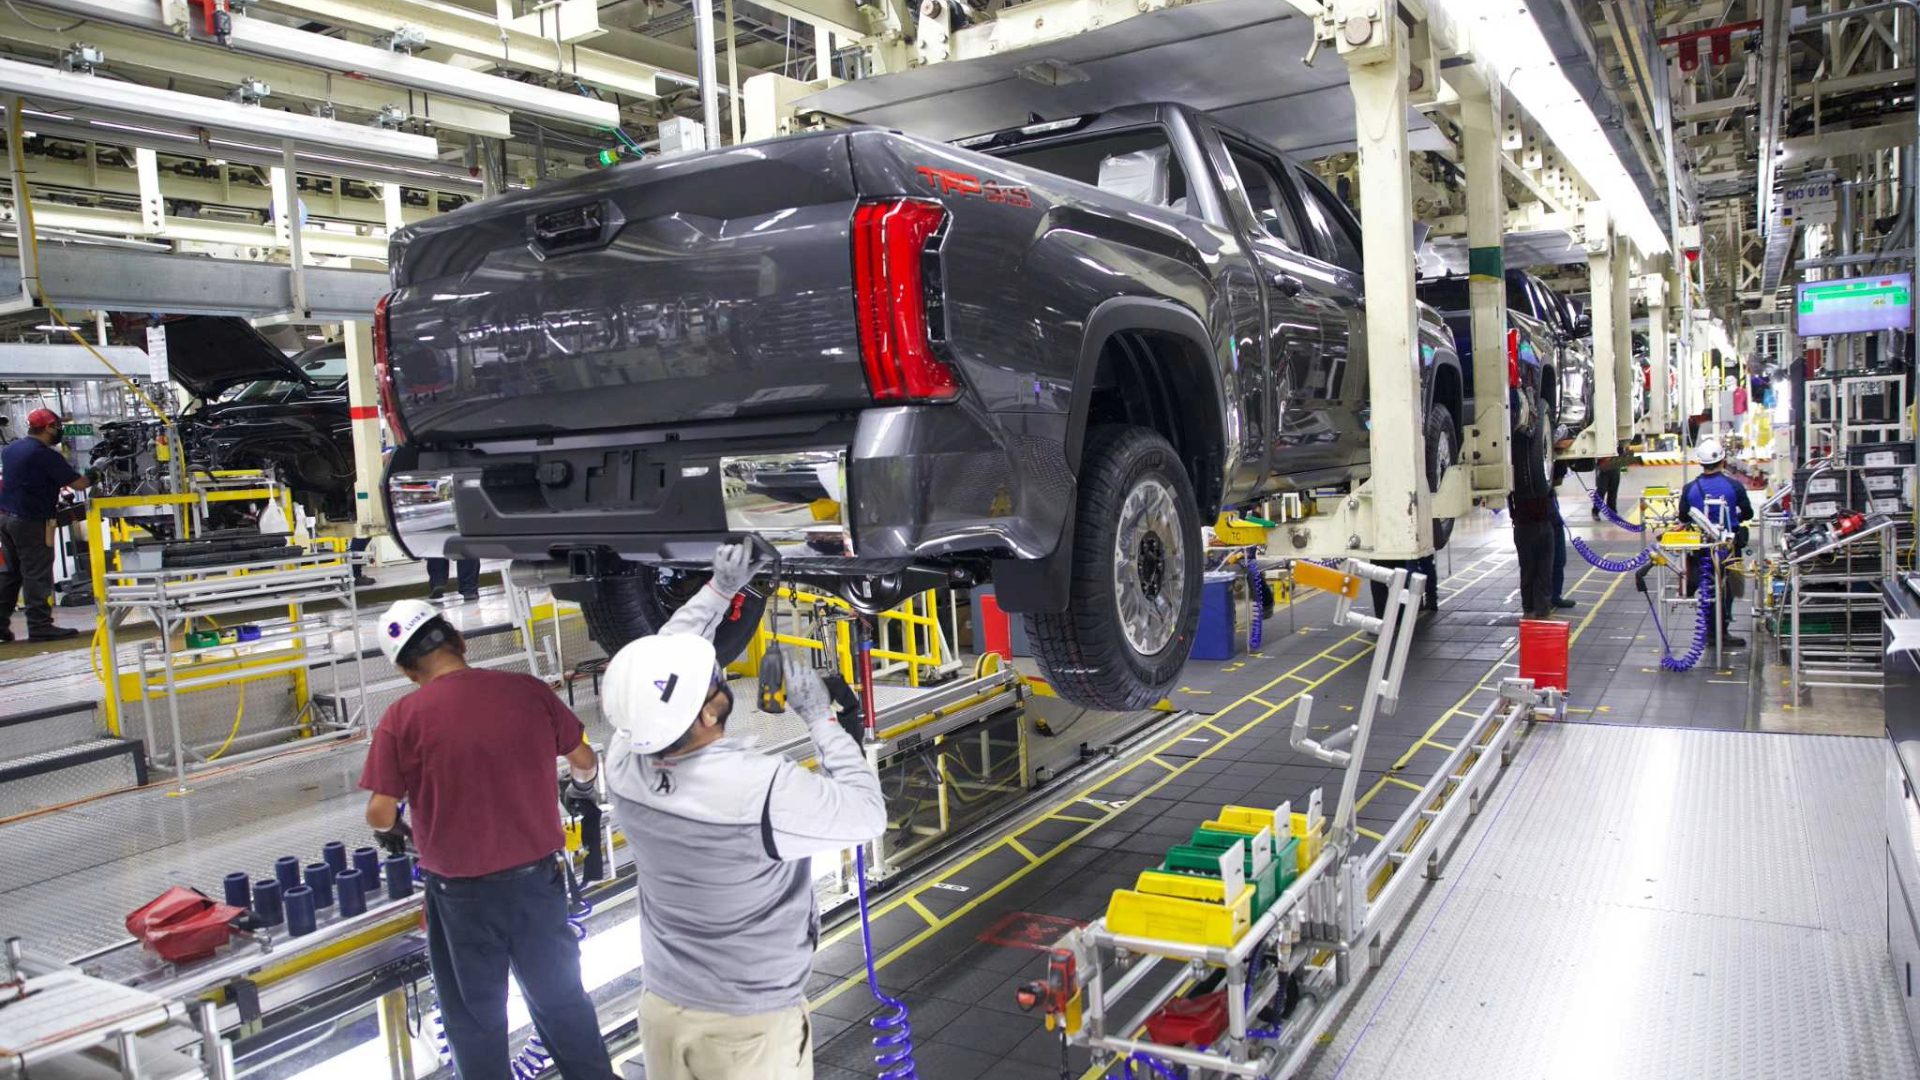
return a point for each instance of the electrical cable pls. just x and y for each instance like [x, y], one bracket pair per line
[238, 713]
[22, 16]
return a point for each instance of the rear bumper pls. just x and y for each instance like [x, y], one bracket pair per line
[912, 484]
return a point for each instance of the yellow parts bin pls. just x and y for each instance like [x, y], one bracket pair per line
[1212, 911]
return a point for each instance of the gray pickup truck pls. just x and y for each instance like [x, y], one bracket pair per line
[1044, 357]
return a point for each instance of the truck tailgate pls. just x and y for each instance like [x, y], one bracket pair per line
[632, 296]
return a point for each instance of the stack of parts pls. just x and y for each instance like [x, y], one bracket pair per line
[1209, 890]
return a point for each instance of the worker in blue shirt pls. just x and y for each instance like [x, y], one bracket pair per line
[1724, 502]
[32, 475]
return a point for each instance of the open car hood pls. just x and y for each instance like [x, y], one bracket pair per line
[209, 354]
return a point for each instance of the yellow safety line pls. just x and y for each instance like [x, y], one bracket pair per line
[1263, 701]
[1022, 850]
[1435, 743]
[1340, 664]
[1408, 784]
[1211, 726]
[1156, 759]
[995, 889]
[1368, 833]
[921, 910]
[1081, 820]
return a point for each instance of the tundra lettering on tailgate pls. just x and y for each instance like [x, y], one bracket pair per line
[948, 182]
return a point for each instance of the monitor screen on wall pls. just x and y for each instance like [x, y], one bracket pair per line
[1853, 305]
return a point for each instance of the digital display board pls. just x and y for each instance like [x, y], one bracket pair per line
[1854, 305]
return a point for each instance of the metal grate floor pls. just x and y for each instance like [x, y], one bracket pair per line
[1649, 903]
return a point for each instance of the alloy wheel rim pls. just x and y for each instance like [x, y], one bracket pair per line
[1149, 567]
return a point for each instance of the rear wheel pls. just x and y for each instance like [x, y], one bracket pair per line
[1443, 443]
[1134, 593]
[636, 605]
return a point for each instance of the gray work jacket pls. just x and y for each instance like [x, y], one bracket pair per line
[723, 840]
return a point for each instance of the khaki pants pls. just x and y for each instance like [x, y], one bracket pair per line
[689, 1044]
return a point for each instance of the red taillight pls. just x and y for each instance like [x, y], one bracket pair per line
[1513, 358]
[890, 289]
[383, 372]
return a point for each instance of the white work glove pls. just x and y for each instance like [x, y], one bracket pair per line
[732, 569]
[806, 695]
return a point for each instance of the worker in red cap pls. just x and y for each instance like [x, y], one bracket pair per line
[32, 474]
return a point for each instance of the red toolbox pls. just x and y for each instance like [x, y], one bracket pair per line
[1195, 1021]
[1543, 652]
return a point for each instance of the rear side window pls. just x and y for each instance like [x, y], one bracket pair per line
[1518, 300]
[1329, 221]
[1265, 195]
[1137, 163]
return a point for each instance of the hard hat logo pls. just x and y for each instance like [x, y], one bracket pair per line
[665, 686]
[640, 691]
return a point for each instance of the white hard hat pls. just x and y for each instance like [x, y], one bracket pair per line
[403, 620]
[1709, 452]
[655, 686]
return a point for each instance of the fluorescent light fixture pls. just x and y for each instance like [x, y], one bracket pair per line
[1503, 33]
[213, 114]
[258, 37]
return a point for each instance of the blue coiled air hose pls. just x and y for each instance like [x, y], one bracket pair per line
[1702, 620]
[1612, 566]
[893, 1038]
[1607, 513]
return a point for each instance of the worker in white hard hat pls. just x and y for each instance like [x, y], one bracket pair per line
[1724, 502]
[722, 835]
[472, 752]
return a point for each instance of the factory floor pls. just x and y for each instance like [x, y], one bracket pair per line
[1660, 881]
[955, 942]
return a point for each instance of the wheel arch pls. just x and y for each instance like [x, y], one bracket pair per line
[1169, 345]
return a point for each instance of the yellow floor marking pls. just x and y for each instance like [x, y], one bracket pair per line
[1022, 850]
[1368, 833]
[1408, 784]
[1000, 886]
[1211, 726]
[1070, 817]
[1436, 743]
[1263, 702]
[1340, 664]
[920, 909]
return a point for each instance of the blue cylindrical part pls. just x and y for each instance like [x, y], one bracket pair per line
[367, 861]
[239, 890]
[300, 911]
[353, 893]
[399, 875]
[334, 854]
[266, 902]
[286, 870]
[320, 880]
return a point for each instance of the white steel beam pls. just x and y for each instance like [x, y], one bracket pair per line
[45, 174]
[133, 48]
[181, 140]
[1488, 429]
[83, 219]
[1658, 398]
[478, 34]
[131, 99]
[1621, 330]
[1603, 248]
[83, 277]
[1377, 66]
[363, 408]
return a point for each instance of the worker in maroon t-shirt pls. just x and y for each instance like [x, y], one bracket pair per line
[473, 751]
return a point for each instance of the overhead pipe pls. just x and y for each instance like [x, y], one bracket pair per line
[29, 255]
[258, 37]
[709, 78]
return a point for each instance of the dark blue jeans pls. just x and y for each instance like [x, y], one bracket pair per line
[468, 569]
[480, 929]
[1559, 556]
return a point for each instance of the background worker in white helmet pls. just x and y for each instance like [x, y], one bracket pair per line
[722, 835]
[473, 752]
[1724, 501]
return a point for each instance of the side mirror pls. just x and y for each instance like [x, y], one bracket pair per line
[1582, 325]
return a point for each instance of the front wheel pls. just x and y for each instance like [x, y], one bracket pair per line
[1134, 591]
